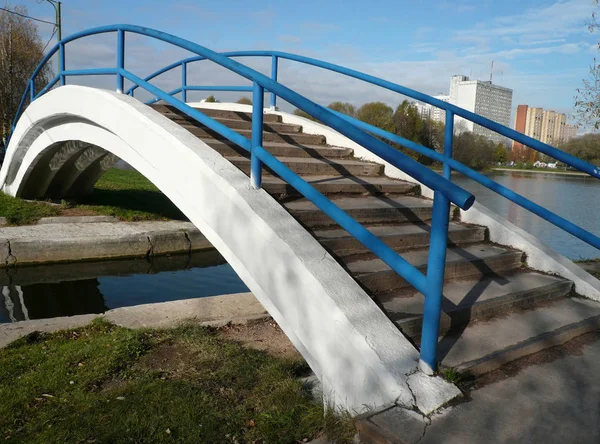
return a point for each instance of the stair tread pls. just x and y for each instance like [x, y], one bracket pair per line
[383, 231]
[364, 202]
[227, 122]
[464, 293]
[188, 125]
[418, 258]
[366, 180]
[268, 144]
[482, 340]
[309, 160]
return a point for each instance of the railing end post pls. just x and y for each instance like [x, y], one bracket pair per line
[426, 368]
[258, 97]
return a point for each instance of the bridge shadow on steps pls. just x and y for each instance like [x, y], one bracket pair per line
[458, 324]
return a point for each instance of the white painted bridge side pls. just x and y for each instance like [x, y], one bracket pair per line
[358, 354]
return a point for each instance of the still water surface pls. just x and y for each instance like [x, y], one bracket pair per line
[576, 198]
[70, 289]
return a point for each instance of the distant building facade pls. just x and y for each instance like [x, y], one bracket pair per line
[546, 126]
[570, 132]
[427, 111]
[483, 98]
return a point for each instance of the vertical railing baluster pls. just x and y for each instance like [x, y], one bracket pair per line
[436, 263]
[184, 82]
[448, 138]
[274, 69]
[258, 97]
[62, 64]
[120, 60]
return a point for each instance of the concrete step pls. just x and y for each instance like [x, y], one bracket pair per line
[237, 124]
[399, 237]
[477, 299]
[291, 138]
[322, 167]
[365, 209]
[217, 113]
[470, 261]
[486, 346]
[228, 148]
[343, 185]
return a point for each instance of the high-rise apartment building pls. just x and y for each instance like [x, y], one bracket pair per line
[543, 125]
[483, 98]
[570, 132]
[434, 113]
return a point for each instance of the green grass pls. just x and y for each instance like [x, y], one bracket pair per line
[129, 196]
[21, 212]
[452, 375]
[103, 383]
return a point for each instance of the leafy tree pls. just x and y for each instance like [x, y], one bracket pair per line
[585, 147]
[343, 107]
[211, 99]
[408, 122]
[587, 99]
[21, 50]
[500, 155]
[377, 114]
[473, 150]
[244, 101]
[300, 113]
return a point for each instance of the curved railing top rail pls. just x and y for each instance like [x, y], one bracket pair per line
[542, 147]
[454, 193]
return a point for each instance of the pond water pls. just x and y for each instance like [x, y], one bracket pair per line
[576, 198]
[93, 287]
[69, 289]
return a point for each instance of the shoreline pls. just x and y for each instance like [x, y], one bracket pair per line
[66, 240]
[564, 173]
[213, 311]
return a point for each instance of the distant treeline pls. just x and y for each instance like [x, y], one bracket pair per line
[470, 149]
[586, 147]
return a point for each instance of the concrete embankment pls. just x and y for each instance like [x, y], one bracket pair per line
[214, 311]
[92, 239]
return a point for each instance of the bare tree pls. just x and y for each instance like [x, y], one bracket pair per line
[21, 50]
[587, 100]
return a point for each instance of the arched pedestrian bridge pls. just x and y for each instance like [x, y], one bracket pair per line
[347, 242]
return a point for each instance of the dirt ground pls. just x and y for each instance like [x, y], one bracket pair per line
[262, 335]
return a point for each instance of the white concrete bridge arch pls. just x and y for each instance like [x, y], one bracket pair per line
[68, 137]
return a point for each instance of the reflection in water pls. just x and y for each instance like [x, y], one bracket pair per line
[576, 198]
[70, 289]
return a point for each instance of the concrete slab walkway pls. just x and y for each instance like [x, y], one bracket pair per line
[552, 402]
[60, 240]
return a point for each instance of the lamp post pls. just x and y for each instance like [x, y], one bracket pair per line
[56, 4]
[61, 61]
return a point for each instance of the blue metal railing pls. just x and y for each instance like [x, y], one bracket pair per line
[444, 190]
[432, 304]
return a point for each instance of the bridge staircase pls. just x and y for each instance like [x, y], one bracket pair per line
[495, 309]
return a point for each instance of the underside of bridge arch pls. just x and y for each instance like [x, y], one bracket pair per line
[69, 137]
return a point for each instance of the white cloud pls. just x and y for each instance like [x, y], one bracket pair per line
[560, 19]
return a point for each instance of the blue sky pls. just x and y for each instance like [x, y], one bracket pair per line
[541, 49]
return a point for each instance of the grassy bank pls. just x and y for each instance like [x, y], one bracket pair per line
[129, 196]
[104, 383]
[126, 195]
[21, 212]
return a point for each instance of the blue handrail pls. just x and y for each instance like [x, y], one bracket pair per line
[540, 211]
[542, 147]
[445, 190]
